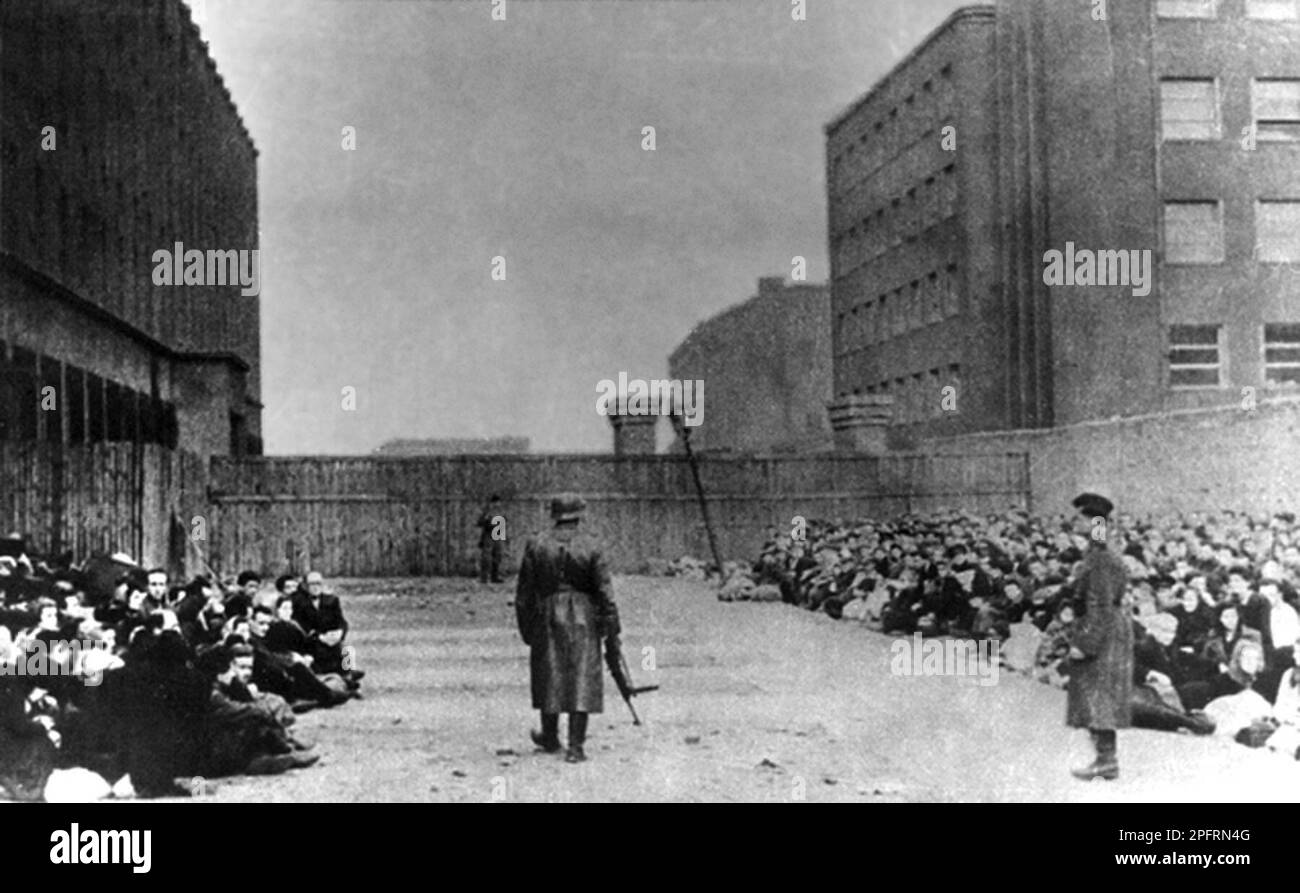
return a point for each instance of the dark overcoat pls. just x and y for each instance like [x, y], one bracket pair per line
[564, 604]
[326, 617]
[1101, 684]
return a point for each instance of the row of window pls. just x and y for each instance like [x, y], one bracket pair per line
[1194, 231]
[911, 121]
[921, 395]
[925, 300]
[1189, 109]
[904, 217]
[43, 399]
[1196, 355]
[1196, 360]
[1274, 10]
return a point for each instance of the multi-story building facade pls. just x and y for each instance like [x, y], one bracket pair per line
[118, 140]
[1158, 139]
[766, 368]
[906, 247]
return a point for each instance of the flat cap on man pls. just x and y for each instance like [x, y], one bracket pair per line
[1092, 505]
[567, 507]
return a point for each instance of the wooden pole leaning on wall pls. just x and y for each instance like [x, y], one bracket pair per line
[699, 492]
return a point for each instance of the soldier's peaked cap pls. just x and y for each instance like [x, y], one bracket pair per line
[1091, 505]
[568, 507]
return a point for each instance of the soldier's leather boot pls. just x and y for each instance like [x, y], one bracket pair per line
[577, 738]
[1106, 765]
[548, 739]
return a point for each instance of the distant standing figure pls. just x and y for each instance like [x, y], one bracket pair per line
[564, 603]
[489, 546]
[1101, 642]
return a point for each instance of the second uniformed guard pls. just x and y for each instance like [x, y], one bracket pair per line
[564, 604]
[1101, 642]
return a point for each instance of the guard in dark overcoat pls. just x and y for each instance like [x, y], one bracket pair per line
[564, 603]
[1101, 643]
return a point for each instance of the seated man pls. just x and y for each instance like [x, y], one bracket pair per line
[1006, 606]
[240, 737]
[137, 609]
[157, 595]
[902, 613]
[236, 626]
[201, 613]
[162, 699]
[286, 585]
[964, 590]
[28, 753]
[320, 615]
[274, 705]
[285, 633]
[1280, 631]
[190, 601]
[1156, 699]
[288, 673]
[240, 603]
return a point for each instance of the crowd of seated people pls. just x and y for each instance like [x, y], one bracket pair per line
[1215, 601]
[112, 669]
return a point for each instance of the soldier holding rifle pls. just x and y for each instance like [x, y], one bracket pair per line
[564, 603]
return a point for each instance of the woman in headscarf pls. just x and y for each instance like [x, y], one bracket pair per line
[1242, 705]
[1196, 620]
[1221, 641]
[1237, 674]
[1156, 702]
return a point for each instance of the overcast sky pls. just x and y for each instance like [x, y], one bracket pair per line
[522, 138]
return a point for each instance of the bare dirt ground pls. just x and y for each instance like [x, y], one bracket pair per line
[759, 702]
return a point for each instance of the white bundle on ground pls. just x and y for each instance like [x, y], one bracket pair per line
[123, 789]
[76, 786]
[1020, 650]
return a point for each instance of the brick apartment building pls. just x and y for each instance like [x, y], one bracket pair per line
[766, 368]
[146, 150]
[1169, 126]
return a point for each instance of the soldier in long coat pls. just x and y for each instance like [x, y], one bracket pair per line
[1101, 644]
[564, 603]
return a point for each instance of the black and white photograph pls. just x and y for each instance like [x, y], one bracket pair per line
[877, 402]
